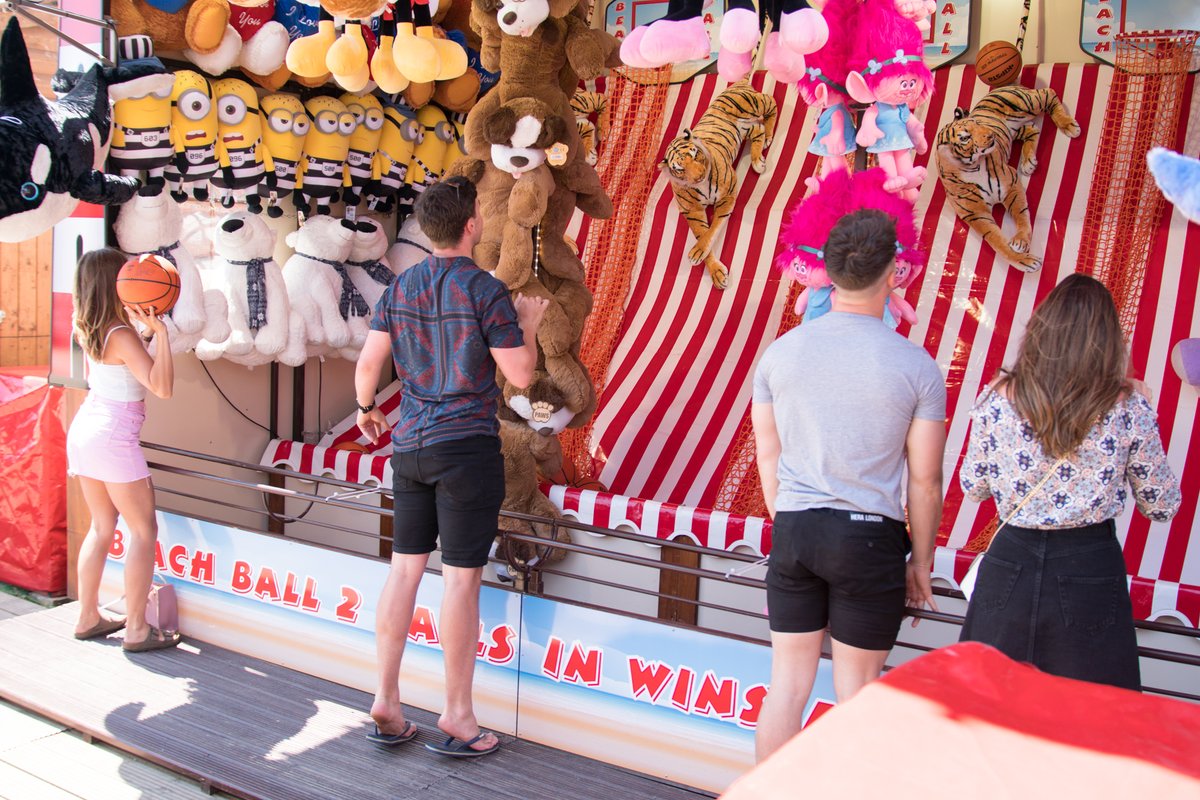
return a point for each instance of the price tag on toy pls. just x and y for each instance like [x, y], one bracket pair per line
[557, 153]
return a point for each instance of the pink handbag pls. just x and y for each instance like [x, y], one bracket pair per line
[162, 611]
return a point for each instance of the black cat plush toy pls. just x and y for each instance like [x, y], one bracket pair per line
[51, 149]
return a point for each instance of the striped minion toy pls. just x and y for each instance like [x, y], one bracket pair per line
[323, 169]
[364, 143]
[243, 157]
[193, 136]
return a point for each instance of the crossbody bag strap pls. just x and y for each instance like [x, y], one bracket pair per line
[1027, 498]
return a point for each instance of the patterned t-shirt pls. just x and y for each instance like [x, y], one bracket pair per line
[1005, 461]
[443, 315]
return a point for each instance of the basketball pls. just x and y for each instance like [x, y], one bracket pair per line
[148, 280]
[998, 64]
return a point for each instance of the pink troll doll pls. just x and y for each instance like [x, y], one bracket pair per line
[869, 192]
[803, 238]
[823, 85]
[889, 72]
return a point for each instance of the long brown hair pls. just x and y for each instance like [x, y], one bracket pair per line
[1072, 366]
[97, 307]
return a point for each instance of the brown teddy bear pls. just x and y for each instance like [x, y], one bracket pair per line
[199, 26]
[530, 422]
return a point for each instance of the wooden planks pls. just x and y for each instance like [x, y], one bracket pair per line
[258, 730]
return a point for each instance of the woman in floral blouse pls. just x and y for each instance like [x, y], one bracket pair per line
[1053, 590]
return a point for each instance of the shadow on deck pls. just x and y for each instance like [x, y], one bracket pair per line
[257, 730]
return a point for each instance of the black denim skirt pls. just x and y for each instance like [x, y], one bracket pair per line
[1058, 599]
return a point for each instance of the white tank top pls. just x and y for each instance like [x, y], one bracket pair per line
[114, 381]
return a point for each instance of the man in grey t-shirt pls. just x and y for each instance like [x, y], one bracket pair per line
[841, 405]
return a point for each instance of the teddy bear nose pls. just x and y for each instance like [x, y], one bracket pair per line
[519, 161]
[231, 225]
[510, 18]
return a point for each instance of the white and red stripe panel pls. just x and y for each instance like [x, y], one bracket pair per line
[679, 382]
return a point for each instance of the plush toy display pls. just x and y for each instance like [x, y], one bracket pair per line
[193, 136]
[251, 39]
[243, 158]
[700, 165]
[796, 31]
[401, 133]
[889, 73]
[364, 145]
[51, 149]
[529, 426]
[323, 169]
[823, 86]
[142, 140]
[810, 221]
[154, 224]
[334, 313]
[411, 246]
[429, 152]
[285, 126]
[195, 27]
[1179, 179]
[262, 326]
[972, 159]
[586, 104]
[368, 264]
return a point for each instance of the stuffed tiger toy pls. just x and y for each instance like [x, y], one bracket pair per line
[585, 104]
[700, 165]
[972, 158]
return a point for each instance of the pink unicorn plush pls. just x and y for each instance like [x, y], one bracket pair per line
[889, 72]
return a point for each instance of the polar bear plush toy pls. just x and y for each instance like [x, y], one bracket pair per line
[155, 225]
[334, 312]
[412, 245]
[368, 266]
[260, 316]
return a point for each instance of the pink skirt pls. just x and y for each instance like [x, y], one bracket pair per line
[103, 441]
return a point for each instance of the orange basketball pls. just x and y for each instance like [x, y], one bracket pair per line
[148, 280]
[998, 63]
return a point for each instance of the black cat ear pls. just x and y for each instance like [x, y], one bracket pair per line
[16, 75]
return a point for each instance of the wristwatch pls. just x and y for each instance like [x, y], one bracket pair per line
[364, 409]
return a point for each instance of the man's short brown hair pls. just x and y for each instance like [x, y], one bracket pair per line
[860, 248]
[444, 209]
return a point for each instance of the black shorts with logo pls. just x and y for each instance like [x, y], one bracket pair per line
[449, 490]
[840, 569]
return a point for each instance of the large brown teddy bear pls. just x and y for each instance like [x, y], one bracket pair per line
[199, 26]
[530, 422]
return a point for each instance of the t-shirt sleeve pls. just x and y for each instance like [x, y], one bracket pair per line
[762, 384]
[931, 393]
[498, 317]
[379, 318]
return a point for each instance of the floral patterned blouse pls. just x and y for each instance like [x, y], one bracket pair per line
[1005, 461]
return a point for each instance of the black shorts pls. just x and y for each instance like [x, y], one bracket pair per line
[452, 491]
[838, 568]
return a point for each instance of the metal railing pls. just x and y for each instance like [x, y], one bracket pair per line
[529, 579]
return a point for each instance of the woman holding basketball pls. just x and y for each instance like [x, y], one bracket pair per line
[103, 449]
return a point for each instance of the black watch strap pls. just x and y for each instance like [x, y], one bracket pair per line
[368, 407]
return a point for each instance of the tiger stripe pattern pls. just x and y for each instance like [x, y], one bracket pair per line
[700, 164]
[592, 104]
[972, 158]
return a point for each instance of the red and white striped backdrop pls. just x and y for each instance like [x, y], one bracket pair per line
[679, 382]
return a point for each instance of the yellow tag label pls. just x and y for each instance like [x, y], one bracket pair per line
[557, 154]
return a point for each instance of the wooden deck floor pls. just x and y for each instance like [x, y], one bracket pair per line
[257, 730]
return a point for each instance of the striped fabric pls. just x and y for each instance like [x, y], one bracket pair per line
[679, 383]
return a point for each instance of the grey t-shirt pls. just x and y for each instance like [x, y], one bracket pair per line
[845, 388]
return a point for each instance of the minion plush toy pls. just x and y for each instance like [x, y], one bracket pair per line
[456, 148]
[193, 136]
[142, 135]
[285, 125]
[360, 161]
[401, 133]
[323, 170]
[430, 153]
[241, 154]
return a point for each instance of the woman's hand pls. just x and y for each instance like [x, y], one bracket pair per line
[151, 321]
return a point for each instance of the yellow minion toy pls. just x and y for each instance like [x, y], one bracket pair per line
[323, 171]
[368, 112]
[401, 132]
[193, 136]
[430, 153]
[243, 157]
[141, 139]
[285, 124]
[456, 148]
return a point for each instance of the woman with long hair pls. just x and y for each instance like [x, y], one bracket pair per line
[1054, 440]
[103, 449]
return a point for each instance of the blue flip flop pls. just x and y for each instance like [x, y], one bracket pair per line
[455, 748]
[393, 739]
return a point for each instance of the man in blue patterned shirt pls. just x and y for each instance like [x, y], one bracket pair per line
[447, 325]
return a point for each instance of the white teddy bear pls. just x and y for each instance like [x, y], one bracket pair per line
[412, 245]
[335, 314]
[155, 225]
[264, 328]
[368, 267]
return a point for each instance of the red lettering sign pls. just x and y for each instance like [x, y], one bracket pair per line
[1105, 13]
[552, 663]
[681, 695]
[501, 650]
[117, 548]
[1103, 47]
[267, 586]
[948, 10]
[817, 712]
[309, 601]
[241, 581]
[947, 30]
[752, 705]
[650, 680]
[1104, 30]
[347, 610]
[177, 559]
[583, 665]
[202, 568]
[424, 627]
[716, 696]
